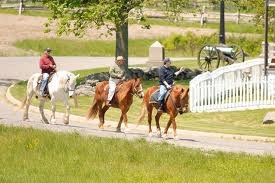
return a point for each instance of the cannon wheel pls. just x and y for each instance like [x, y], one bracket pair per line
[238, 54]
[208, 58]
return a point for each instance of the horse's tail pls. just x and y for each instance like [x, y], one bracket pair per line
[23, 103]
[93, 110]
[142, 114]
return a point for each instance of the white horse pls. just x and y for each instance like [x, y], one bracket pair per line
[61, 87]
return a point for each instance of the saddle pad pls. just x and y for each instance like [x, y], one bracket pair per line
[154, 97]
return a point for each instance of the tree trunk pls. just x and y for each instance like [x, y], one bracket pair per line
[238, 16]
[122, 42]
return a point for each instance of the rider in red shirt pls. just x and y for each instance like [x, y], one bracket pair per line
[47, 65]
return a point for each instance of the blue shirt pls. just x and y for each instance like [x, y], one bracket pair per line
[166, 74]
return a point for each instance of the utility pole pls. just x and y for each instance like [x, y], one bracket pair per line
[266, 37]
[222, 29]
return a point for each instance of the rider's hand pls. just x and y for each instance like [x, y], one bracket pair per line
[168, 87]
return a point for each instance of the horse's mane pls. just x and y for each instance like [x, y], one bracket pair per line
[126, 87]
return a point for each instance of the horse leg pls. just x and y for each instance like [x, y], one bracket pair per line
[157, 117]
[125, 119]
[67, 114]
[101, 115]
[41, 109]
[28, 102]
[150, 110]
[118, 128]
[53, 110]
[167, 127]
[173, 119]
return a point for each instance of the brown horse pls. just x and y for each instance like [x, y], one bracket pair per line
[177, 102]
[122, 99]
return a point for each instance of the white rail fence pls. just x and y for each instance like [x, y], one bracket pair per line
[235, 87]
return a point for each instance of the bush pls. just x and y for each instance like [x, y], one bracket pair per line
[191, 43]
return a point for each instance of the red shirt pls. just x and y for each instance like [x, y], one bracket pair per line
[45, 62]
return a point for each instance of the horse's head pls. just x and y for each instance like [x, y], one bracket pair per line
[185, 99]
[137, 88]
[181, 94]
[71, 83]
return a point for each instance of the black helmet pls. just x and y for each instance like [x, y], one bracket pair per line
[48, 50]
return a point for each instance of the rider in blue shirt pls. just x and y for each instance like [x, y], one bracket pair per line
[166, 80]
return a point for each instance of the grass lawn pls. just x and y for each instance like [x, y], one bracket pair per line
[241, 122]
[64, 47]
[38, 13]
[229, 26]
[29, 155]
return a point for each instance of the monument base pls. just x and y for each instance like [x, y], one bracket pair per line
[269, 118]
[154, 63]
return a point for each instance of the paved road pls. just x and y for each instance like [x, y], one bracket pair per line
[15, 68]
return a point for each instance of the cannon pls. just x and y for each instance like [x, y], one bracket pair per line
[211, 57]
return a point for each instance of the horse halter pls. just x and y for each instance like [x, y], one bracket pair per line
[179, 109]
[135, 91]
[68, 89]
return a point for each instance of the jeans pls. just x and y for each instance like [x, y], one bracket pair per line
[45, 77]
[162, 92]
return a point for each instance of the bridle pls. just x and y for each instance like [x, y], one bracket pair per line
[67, 88]
[135, 91]
[179, 109]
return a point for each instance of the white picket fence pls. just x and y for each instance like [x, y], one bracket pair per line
[235, 87]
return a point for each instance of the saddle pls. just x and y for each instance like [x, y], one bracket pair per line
[39, 81]
[106, 89]
[154, 97]
[118, 86]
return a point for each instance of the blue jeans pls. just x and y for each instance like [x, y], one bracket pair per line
[45, 77]
[162, 92]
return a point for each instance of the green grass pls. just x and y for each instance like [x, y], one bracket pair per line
[38, 13]
[64, 47]
[240, 122]
[29, 155]
[229, 26]
[84, 48]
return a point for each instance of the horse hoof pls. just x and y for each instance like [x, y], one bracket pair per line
[150, 134]
[126, 130]
[66, 122]
[159, 134]
[53, 121]
[25, 118]
[118, 129]
[176, 137]
[100, 126]
[165, 136]
[45, 121]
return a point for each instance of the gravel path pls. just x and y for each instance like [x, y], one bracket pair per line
[11, 115]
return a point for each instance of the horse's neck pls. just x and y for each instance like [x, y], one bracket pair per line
[126, 88]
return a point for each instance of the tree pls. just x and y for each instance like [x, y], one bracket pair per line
[259, 8]
[77, 16]
[240, 4]
[174, 8]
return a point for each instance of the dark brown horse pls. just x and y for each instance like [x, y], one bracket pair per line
[122, 99]
[177, 102]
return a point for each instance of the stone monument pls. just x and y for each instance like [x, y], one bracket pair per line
[156, 54]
